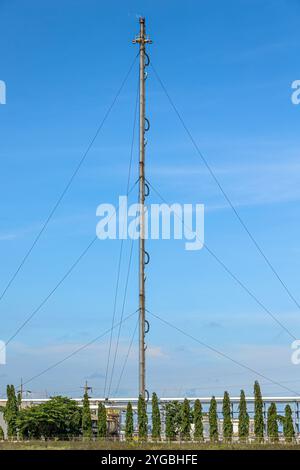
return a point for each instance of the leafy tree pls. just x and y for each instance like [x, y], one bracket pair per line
[142, 419]
[272, 425]
[129, 423]
[198, 421]
[86, 417]
[1, 434]
[288, 425]
[227, 422]
[11, 411]
[186, 420]
[213, 421]
[243, 418]
[258, 413]
[102, 426]
[59, 417]
[156, 421]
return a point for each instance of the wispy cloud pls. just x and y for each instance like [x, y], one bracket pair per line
[35, 227]
[17, 233]
[247, 185]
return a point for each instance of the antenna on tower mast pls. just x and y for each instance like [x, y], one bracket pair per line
[142, 40]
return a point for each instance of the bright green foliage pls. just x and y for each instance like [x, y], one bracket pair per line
[258, 413]
[177, 409]
[11, 412]
[170, 423]
[173, 420]
[227, 422]
[102, 426]
[213, 421]
[142, 419]
[272, 425]
[186, 420]
[198, 421]
[59, 417]
[1, 434]
[156, 421]
[129, 423]
[243, 418]
[86, 417]
[288, 425]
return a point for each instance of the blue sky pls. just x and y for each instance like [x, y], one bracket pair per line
[228, 67]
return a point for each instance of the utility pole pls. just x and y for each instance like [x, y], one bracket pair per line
[86, 388]
[142, 40]
[21, 392]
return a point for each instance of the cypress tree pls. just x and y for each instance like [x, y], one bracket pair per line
[142, 419]
[213, 421]
[86, 417]
[156, 422]
[258, 413]
[288, 425]
[272, 425]
[170, 422]
[102, 426]
[243, 418]
[129, 423]
[227, 423]
[177, 413]
[198, 421]
[1, 434]
[11, 412]
[186, 420]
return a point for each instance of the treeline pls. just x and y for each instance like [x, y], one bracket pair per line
[186, 423]
[62, 418]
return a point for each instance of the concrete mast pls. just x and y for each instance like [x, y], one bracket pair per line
[142, 40]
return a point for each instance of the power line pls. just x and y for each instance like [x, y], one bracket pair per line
[231, 274]
[222, 354]
[204, 160]
[70, 181]
[35, 311]
[126, 358]
[122, 313]
[64, 277]
[226, 386]
[76, 351]
[122, 243]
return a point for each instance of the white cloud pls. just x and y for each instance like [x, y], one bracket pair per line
[155, 352]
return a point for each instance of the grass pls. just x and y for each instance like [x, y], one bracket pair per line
[116, 445]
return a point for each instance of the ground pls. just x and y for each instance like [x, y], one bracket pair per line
[104, 445]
